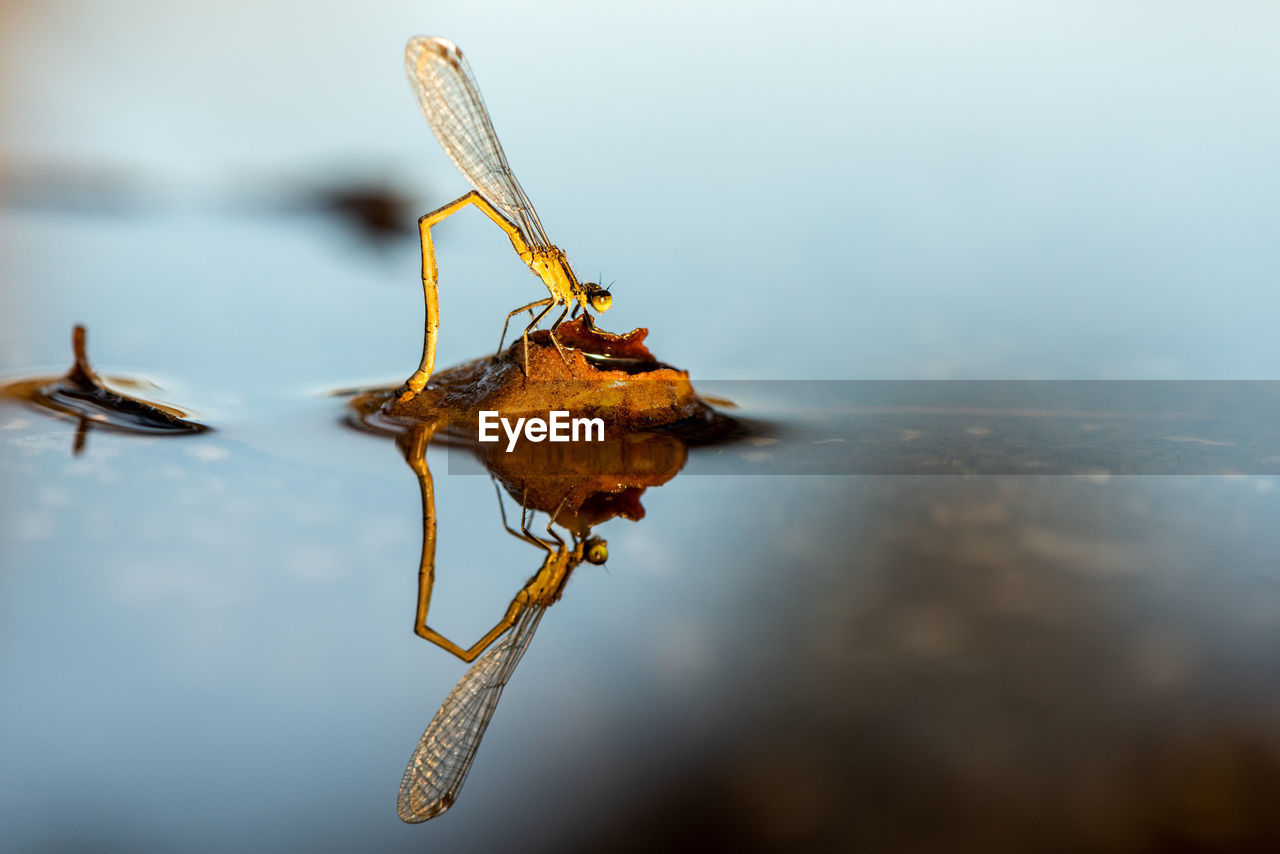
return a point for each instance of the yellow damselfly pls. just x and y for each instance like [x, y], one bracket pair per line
[447, 91]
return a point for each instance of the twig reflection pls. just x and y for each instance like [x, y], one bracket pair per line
[85, 397]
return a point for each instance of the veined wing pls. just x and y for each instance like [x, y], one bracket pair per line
[440, 762]
[446, 89]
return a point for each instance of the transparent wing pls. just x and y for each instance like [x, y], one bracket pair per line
[440, 762]
[447, 91]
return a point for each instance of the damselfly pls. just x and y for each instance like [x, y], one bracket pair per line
[447, 90]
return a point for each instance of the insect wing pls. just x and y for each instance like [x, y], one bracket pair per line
[447, 92]
[440, 762]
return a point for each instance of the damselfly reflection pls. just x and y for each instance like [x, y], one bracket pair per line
[450, 98]
[440, 763]
[576, 497]
[542, 589]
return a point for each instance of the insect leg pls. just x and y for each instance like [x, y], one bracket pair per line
[525, 336]
[521, 534]
[431, 279]
[555, 340]
[552, 520]
[426, 579]
[529, 308]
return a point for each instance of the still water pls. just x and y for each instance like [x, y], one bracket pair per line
[872, 622]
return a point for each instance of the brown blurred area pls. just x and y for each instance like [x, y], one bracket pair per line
[1212, 791]
[993, 664]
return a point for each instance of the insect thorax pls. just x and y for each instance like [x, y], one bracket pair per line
[552, 267]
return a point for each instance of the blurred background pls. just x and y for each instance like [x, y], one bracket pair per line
[1001, 191]
[206, 643]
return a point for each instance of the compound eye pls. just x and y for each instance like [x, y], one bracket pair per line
[601, 300]
[597, 552]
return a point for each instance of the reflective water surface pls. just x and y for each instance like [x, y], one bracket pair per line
[871, 622]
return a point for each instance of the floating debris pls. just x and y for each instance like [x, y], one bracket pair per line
[83, 395]
[605, 375]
